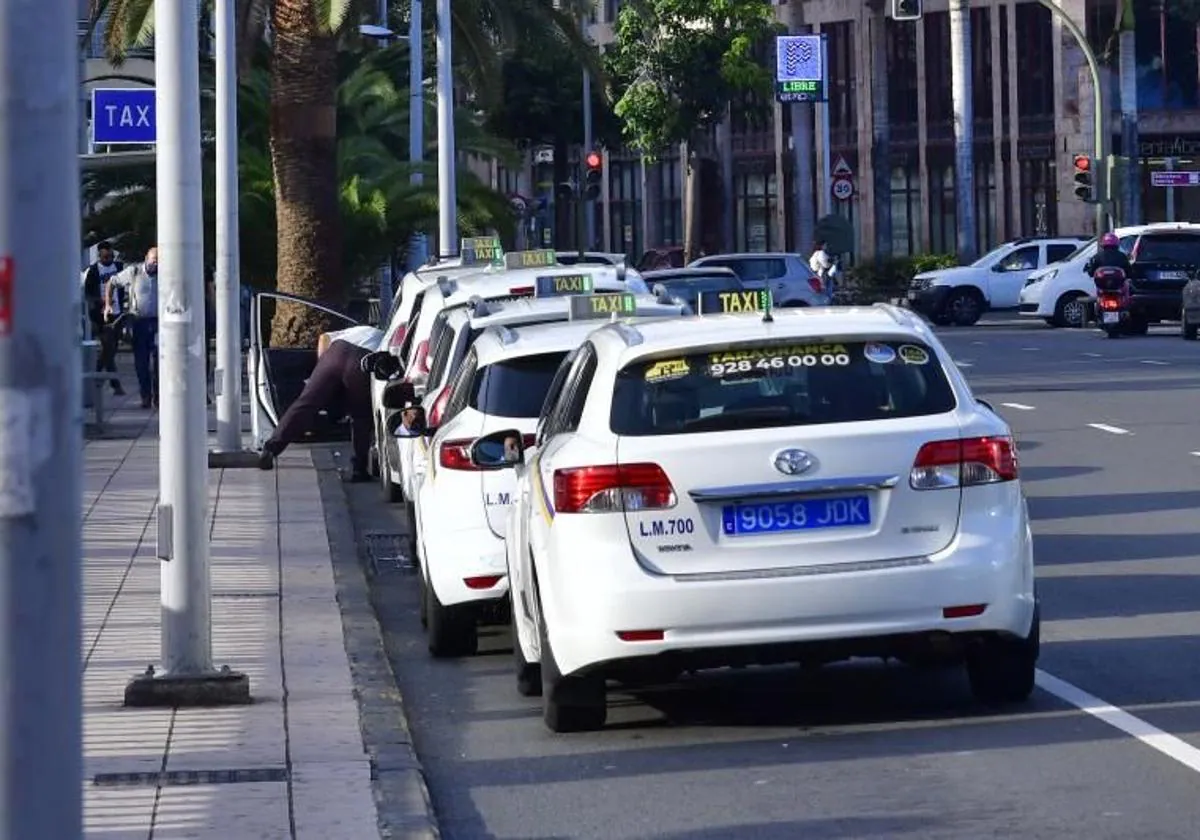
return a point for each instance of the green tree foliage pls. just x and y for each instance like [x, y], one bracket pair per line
[676, 65]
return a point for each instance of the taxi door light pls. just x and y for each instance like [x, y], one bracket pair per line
[964, 463]
[612, 488]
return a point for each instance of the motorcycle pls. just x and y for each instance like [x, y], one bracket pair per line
[1113, 301]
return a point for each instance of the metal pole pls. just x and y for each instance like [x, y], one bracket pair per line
[1099, 143]
[826, 144]
[964, 129]
[182, 457]
[227, 377]
[385, 270]
[417, 245]
[40, 464]
[447, 188]
[589, 207]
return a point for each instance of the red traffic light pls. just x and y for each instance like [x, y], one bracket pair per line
[593, 160]
[1082, 163]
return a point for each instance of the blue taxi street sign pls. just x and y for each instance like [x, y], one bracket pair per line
[481, 250]
[734, 302]
[543, 258]
[800, 68]
[122, 116]
[556, 285]
[606, 305]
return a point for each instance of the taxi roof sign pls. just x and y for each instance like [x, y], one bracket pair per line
[481, 250]
[541, 258]
[719, 302]
[557, 285]
[604, 305]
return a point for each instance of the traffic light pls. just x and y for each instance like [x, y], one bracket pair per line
[564, 191]
[906, 9]
[594, 164]
[1085, 180]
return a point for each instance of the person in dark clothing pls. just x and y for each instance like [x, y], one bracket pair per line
[104, 327]
[1108, 255]
[337, 380]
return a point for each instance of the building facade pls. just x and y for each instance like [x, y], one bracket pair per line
[1032, 98]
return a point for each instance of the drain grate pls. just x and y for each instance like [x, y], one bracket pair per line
[180, 778]
[388, 552]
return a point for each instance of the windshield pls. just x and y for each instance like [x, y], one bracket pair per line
[992, 255]
[1080, 251]
[763, 385]
[515, 387]
[1169, 248]
[687, 288]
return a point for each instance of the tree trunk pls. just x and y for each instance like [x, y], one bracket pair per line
[804, 192]
[304, 157]
[691, 204]
[881, 154]
[964, 127]
[1131, 206]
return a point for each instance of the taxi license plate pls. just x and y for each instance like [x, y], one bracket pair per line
[1110, 317]
[808, 515]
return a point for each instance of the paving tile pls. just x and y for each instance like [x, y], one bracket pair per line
[249, 811]
[344, 785]
[229, 738]
[117, 813]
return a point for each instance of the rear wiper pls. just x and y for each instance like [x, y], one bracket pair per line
[778, 415]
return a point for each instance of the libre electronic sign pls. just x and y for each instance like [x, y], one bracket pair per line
[481, 250]
[563, 284]
[800, 68]
[543, 258]
[590, 307]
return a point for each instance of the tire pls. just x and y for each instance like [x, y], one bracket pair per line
[964, 307]
[451, 630]
[1002, 669]
[1187, 330]
[1137, 326]
[410, 518]
[391, 491]
[570, 704]
[1112, 333]
[373, 461]
[1070, 311]
[423, 610]
[529, 674]
[1051, 322]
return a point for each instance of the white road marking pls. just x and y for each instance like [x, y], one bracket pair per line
[1018, 406]
[1034, 349]
[1147, 733]
[979, 343]
[1116, 430]
[1094, 355]
[1154, 362]
[963, 364]
[1197, 454]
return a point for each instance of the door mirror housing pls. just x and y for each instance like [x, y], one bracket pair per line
[400, 395]
[383, 366]
[499, 450]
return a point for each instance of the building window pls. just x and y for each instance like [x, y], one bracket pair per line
[611, 9]
[985, 203]
[906, 210]
[1035, 80]
[670, 202]
[843, 116]
[939, 101]
[624, 206]
[755, 205]
[943, 221]
[981, 66]
[1039, 207]
[902, 73]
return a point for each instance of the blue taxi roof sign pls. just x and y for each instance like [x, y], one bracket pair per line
[557, 285]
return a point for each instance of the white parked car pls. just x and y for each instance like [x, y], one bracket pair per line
[712, 491]
[460, 510]
[961, 295]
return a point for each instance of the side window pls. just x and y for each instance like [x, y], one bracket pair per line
[577, 389]
[411, 328]
[446, 339]
[1126, 244]
[547, 423]
[760, 270]
[460, 388]
[1055, 253]
[1022, 259]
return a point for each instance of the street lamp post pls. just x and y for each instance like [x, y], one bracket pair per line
[417, 246]
[447, 187]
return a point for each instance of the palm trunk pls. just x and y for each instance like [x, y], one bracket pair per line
[964, 127]
[304, 156]
[1131, 206]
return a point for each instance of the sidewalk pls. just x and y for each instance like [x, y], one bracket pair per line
[291, 765]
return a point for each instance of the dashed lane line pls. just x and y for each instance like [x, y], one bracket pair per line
[1112, 430]
[1018, 406]
[1147, 733]
[1094, 355]
[963, 364]
[1153, 362]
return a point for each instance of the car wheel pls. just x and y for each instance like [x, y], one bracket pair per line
[410, 519]
[391, 490]
[1137, 326]
[1051, 322]
[451, 630]
[1070, 311]
[1186, 329]
[578, 703]
[373, 461]
[423, 609]
[529, 674]
[964, 307]
[1002, 669]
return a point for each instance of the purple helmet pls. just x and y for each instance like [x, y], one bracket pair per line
[1109, 240]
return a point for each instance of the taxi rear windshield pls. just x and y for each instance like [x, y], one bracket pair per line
[515, 387]
[794, 384]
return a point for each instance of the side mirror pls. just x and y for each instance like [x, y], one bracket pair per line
[398, 395]
[498, 450]
[999, 268]
[384, 366]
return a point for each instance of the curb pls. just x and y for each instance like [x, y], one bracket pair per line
[401, 795]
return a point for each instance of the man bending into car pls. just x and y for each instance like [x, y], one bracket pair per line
[339, 377]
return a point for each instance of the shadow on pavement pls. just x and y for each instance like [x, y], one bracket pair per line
[1111, 504]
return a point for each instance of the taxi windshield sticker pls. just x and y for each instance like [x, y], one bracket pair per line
[733, 302]
[880, 354]
[914, 355]
[667, 370]
[481, 250]
[543, 258]
[587, 307]
[555, 285]
[766, 361]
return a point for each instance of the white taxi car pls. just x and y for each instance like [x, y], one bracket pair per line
[420, 349]
[723, 490]
[460, 510]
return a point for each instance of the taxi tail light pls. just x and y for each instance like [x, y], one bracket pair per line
[422, 359]
[1110, 301]
[967, 462]
[439, 405]
[456, 455]
[521, 290]
[814, 283]
[397, 338]
[612, 488]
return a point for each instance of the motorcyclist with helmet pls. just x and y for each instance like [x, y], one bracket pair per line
[1108, 255]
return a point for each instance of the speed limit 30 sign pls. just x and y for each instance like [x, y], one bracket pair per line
[842, 189]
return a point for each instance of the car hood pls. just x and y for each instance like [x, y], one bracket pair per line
[961, 271]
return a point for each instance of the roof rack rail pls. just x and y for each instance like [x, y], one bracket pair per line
[901, 316]
[446, 286]
[478, 306]
[629, 333]
[507, 335]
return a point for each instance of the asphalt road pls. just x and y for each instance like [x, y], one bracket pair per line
[1108, 747]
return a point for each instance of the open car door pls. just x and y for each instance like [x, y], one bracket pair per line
[276, 375]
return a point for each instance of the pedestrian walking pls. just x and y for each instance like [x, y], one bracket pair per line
[821, 264]
[95, 283]
[339, 378]
[140, 281]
